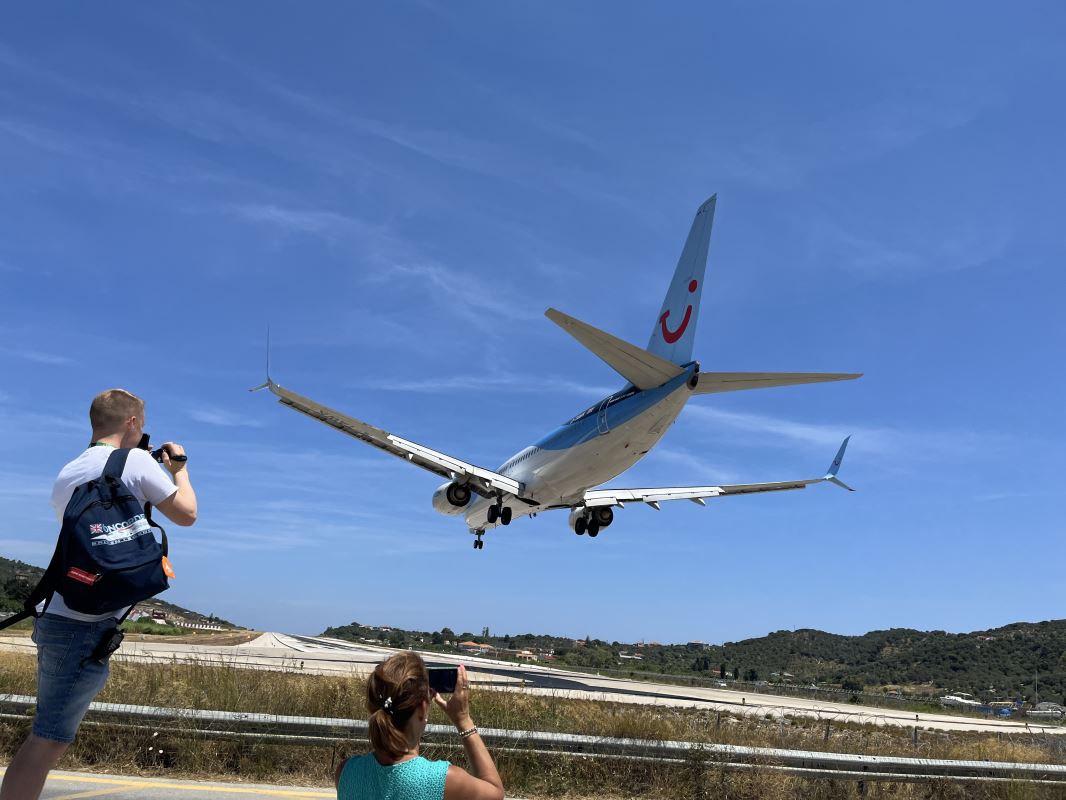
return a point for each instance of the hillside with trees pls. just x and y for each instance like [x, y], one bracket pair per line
[17, 580]
[1014, 661]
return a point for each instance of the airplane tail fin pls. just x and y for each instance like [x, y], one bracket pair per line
[675, 327]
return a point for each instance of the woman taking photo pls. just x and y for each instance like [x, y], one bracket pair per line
[398, 698]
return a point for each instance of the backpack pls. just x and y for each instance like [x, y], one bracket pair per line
[107, 556]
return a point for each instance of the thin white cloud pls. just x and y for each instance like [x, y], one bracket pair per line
[37, 356]
[35, 423]
[481, 383]
[310, 221]
[464, 294]
[784, 158]
[943, 248]
[222, 418]
[881, 441]
[693, 467]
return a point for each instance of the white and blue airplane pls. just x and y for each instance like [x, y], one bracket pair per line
[562, 470]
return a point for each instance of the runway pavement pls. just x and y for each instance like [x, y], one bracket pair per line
[69, 785]
[325, 656]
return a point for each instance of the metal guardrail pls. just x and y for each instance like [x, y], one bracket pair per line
[318, 730]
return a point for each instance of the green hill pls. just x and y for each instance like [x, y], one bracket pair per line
[1004, 662]
[17, 580]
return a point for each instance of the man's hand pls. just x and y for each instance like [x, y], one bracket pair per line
[173, 449]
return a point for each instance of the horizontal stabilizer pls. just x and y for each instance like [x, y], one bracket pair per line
[643, 369]
[714, 382]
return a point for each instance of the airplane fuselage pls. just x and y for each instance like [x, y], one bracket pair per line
[597, 445]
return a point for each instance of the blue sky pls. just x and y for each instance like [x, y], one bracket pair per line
[401, 189]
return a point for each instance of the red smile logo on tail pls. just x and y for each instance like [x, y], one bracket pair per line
[672, 336]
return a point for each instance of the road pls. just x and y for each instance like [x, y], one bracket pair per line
[69, 785]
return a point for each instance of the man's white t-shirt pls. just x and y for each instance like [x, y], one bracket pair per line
[147, 480]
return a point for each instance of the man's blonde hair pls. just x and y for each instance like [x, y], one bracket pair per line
[110, 410]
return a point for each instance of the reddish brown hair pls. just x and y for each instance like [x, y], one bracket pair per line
[393, 693]
[110, 410]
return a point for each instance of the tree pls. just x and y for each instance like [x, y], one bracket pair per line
[437, 638]
[736, 673]
[721, 671]
[751, 675]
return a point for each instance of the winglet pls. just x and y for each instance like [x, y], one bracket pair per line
[831, 473]
[268, 383]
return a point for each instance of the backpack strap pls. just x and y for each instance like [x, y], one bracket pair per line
[44, 590]
[116, 462]
[154, 524]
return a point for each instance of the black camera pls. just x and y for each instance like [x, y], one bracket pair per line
[109, 644]
[157, 454]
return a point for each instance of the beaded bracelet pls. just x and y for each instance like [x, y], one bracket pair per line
[467, 732]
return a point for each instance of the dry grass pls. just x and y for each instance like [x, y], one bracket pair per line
[188, 754]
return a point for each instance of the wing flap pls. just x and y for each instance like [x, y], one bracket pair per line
[643, 369]
[618, 497]
[484, 481]
[613, 497]
[715, 382]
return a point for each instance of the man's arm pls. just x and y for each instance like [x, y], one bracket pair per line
[180, 507]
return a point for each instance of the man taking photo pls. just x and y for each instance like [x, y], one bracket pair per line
[68, 674]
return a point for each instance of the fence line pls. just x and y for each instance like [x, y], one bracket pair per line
[281, 728]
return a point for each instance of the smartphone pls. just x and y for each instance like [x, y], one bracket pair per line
[443, 679]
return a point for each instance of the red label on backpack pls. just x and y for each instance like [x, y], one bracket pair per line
[82, 575]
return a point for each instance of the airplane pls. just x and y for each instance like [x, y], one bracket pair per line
[562, 470]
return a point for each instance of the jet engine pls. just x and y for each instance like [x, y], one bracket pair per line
[590, 520]
[451, 498]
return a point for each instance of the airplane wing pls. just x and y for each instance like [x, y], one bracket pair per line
[483, 481]
[714, 382]
[697, 494]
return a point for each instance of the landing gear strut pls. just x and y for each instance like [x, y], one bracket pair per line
[499, 512]
[479, 544]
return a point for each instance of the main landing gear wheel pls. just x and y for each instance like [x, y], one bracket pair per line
[594, 529]
[505, 515]
[494, 514]
[579, 525]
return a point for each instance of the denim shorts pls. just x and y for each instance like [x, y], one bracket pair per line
[67, 680]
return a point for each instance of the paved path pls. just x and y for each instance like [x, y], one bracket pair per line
[69, 785]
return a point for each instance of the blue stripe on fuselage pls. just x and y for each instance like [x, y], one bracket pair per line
[586, 427]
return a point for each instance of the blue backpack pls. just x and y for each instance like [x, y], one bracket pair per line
[107, 556]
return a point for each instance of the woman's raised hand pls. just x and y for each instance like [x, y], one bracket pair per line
[457, 706]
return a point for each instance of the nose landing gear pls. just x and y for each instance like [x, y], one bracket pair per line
[479, 543]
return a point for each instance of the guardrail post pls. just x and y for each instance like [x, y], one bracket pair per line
[914, 735]
[825, 738]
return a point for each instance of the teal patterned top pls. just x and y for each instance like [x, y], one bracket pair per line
[363, 778]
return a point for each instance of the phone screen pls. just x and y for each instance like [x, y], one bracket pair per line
[443, 679]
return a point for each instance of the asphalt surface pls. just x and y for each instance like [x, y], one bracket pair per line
[69, 785]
